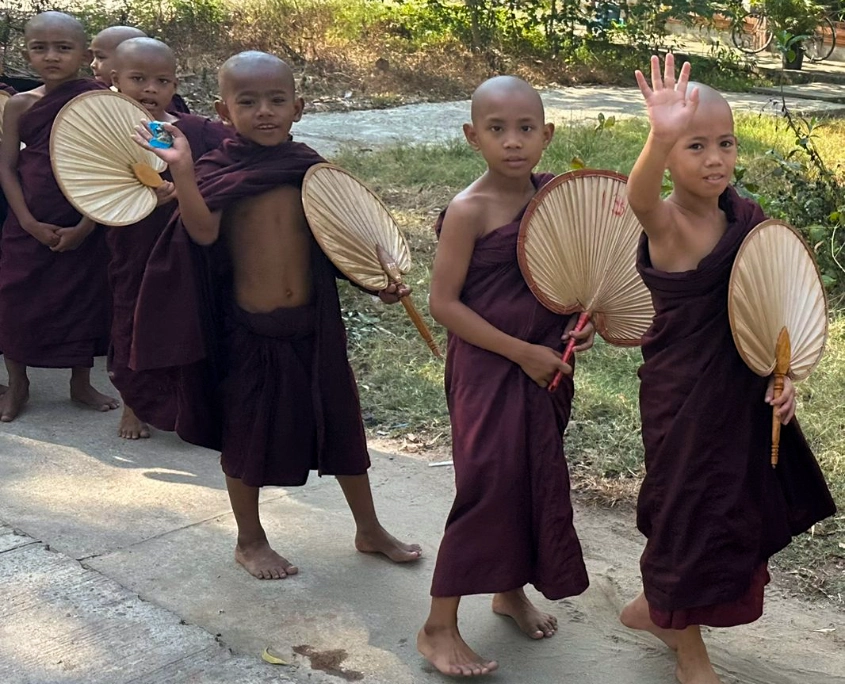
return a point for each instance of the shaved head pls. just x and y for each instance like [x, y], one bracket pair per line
[145, 49]
[250, 64]
[709, 97]
[52, 21]
[113, 36]
[506, 88]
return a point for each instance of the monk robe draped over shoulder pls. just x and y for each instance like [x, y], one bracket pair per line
[711, 506]
[184, 314]
[511, 523]
[148, 393]
[3, 206]
[54, 307]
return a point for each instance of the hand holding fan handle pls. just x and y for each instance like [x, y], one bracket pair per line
[392, 270]
[583, 319]
[783, 354]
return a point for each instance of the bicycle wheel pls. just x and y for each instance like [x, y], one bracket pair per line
[817, 48]
[751, 33]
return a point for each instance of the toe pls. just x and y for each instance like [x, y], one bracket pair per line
[292, 570]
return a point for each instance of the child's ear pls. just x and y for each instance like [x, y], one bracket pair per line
[298, 107]
[25, 55]
[471, 136]
[114, 80]
[222, 111]
[548, 134]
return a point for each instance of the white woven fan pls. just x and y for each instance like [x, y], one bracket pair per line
[99, 168]
[777, 307]
[577, 250]
[4, 98]
[358, 234]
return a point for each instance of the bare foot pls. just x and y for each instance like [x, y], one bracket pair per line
[12, 401]
[83, 393]
[262, 562]
[694, 665]
[636, 616]
[131, 427]
[448, 652]
[379, 541]
[530, 619]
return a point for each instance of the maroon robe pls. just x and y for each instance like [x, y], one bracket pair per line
[54, 307]
[713, 509]
[149, 392]
[511, 523]
[253, 375]
[3, 206]
[179, 106]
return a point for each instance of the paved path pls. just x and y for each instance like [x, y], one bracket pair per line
[139, 580]
[442, 121]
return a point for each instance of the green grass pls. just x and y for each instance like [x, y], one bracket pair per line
[402, 384]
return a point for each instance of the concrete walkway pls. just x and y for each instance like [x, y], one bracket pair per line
[442, 121]
[139, 585]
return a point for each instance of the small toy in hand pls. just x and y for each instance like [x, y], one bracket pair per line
[161, 138]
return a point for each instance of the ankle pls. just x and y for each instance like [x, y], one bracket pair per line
[252, 541]
[438, 628]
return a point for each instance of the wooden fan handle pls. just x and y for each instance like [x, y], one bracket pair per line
[783, 356]
[418, 321]
[583, 319]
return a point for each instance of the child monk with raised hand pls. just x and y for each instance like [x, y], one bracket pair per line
[713, 509]
[104, 50]
[511, 523]
[54, 298]
[145, 70]
[270, 310]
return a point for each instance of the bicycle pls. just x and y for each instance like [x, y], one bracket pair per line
[752, 33]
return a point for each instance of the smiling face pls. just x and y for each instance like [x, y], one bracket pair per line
[146, 72]
[55, 46]
[702, 162]
[258, 97]
[508, 126]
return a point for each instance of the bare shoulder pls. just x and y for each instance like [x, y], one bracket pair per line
[466, 213]
[20, 103]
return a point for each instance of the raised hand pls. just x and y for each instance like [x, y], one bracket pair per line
[670, 110]
[178, 157]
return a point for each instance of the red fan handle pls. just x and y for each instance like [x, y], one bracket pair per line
[583, 319]
[783, 355]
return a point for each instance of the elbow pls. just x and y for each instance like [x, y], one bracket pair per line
[437, 308]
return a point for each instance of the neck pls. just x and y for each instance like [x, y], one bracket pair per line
[704, 207]
[50, 86]
[507, 185]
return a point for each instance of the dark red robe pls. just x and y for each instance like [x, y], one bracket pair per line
[130, 247]
[511, 523]
[179, 106]
[244, 379]
[54, 307]
[3, 206]
[713, 509]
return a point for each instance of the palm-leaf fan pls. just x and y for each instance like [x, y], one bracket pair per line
[4, 98]
[777, 308]
[102, 172]
[577, 251]
[358, 234]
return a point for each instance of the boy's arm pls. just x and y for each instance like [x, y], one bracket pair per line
[454, 252]
[10, 147]
[202, 225]
[670, 112]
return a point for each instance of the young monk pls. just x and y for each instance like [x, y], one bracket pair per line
[711, 506]
[145, 70]
[289, 400]
[103, 48]
[3, 206]
[54, 301]
[511, 523]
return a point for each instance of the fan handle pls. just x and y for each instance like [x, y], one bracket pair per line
[583, 319]
[147, 175]
[395, 276]
[783, 354]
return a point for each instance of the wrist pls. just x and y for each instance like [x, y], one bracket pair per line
[182, 172]
[662, 142]
[515, 351]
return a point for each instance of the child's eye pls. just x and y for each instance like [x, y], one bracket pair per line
[137, 79]
[696, 146]
[527, 128]
[245, 103]
[727, 143]
[164, 81]
[495, 129]
[279, 100]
